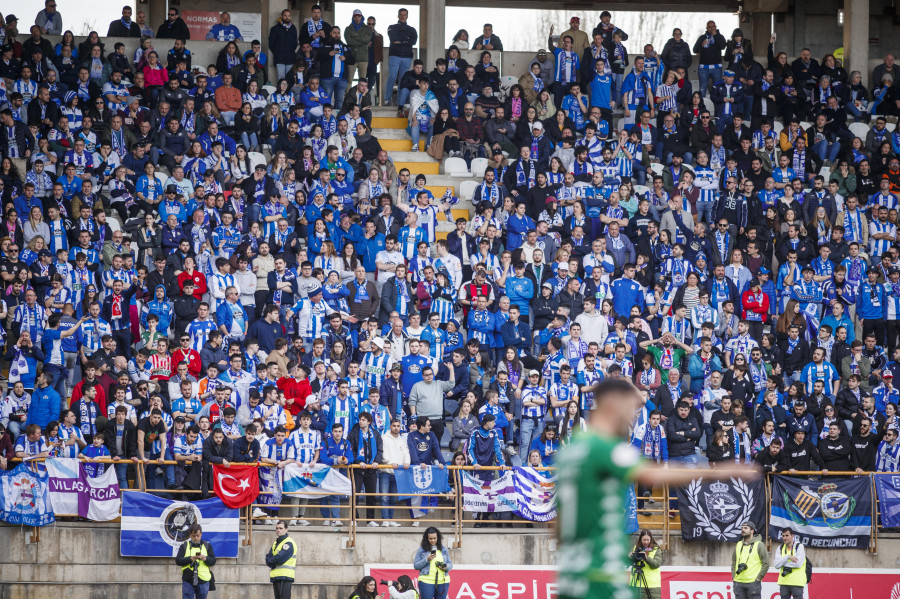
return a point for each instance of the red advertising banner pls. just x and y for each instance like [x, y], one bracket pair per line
[527, 582]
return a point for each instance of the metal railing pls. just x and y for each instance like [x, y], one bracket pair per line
[659, 516]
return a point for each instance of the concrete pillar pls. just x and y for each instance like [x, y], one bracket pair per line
[759, 33]
[157, 12]
[432, 31]
[856, 37]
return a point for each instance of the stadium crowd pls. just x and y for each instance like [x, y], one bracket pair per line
[164, 298]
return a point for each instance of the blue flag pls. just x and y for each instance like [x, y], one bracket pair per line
[834, 513]
[155, 527]
[888, 487]
[25, 497]
[416, 480]
[631, 519]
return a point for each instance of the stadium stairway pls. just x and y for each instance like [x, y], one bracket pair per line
[390, 130]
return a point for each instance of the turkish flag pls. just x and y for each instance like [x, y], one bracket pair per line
[236, 486]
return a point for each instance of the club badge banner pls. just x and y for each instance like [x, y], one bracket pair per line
[832, 513]
[714, 510]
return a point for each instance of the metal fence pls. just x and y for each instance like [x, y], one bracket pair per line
[446, 510]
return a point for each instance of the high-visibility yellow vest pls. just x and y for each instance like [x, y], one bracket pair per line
[285, 570]
[653, 576]
[203, 572]
[747, 554]
[435, 575]
[797, 577]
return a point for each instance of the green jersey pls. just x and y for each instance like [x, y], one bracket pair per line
[594, 472]
[666, 359]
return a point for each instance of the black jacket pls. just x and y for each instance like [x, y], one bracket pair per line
[183, 559]
[801, 456]
[353, 438]
[283, 43]
[683, 434]
[676, 53]
[402, 39]
[117, 29]
[174, 31]
[865, 450]
[24, 140]
[796, 360]
[770, 463]
[244, 451]
[837, 455]
[129, 443]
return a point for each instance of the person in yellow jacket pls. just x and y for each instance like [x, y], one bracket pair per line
[749, 563]
[196, 558]
[282, 559]
[790, 561]
[646, 562]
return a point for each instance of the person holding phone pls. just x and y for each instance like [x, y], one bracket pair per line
[432, 560]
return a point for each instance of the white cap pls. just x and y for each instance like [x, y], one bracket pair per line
[537, 125]
[311, 399]
[379, 342]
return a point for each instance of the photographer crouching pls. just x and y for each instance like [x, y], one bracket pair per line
[432, 560]
[646, 561]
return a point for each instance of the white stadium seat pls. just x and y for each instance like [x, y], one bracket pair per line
[256, 158]
[466, 189]
[479, 165]
[456, 166]
[859, 130]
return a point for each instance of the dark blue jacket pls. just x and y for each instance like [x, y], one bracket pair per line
[424, 448]
[283, 43]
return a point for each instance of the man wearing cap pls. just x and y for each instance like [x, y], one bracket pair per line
[580, 40]
[749, 563]
[728, 97]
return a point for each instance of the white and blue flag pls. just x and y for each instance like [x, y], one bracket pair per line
[313, 482]
[155, 527]
[25, 498]
[535, 495]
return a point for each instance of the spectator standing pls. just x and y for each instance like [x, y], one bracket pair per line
[283, 38]
[124, 27]
[49, 20]
[402, 37]
[432, 560]
[174, 27]
[358, 36]
[709, 47]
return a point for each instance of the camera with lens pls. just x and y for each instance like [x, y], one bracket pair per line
[440, 565]
[740, 568]
[786, 571]
[387, 583]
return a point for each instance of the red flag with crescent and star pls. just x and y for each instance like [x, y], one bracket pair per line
[236, 486]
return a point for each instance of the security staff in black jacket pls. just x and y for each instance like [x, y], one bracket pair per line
[196, 558]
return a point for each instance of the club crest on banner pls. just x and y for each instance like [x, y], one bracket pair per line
[836, 507]
[721, 505]
[176, 522]
[724, 513]
[422, 477]
[24, 493]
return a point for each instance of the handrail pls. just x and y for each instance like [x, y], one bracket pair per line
[455, 509]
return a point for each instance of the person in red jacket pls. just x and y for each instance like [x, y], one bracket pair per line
[755, 308]
[196, 276]
[90, 376]
[186, 354]
[296, 388]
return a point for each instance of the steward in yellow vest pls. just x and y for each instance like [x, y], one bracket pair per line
[282, 559]
[749, 563]
[790, 561]
[196, 558]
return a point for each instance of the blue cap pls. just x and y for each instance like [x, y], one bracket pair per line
[728, 73]
[700, 256]
[763, 271]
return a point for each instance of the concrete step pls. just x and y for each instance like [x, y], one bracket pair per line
[410, 156]
[417, 168]
[399, 145]
[383, 134]
[389, 122]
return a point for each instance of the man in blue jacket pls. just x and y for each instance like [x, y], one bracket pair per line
[45, 403]
[519, 289]
[870, 306]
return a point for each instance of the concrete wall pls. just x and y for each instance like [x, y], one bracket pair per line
[82, 561]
